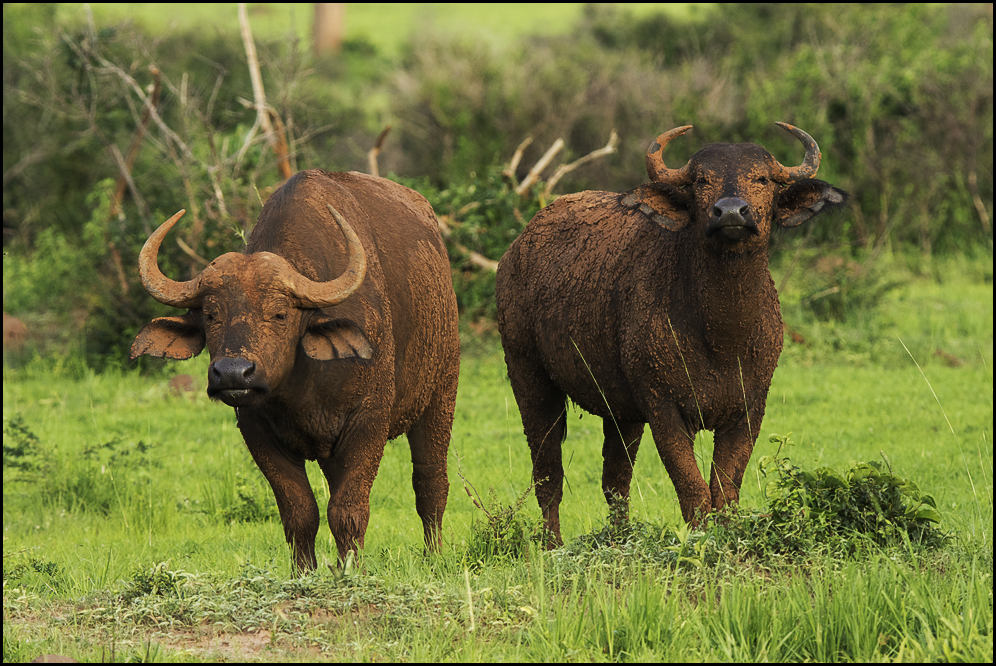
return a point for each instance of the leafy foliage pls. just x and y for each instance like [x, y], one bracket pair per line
[505, 534]
[866, 501]
[483, 214]
[21, 451]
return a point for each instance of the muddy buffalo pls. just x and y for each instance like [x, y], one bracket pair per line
[655, 306]
[334, 331]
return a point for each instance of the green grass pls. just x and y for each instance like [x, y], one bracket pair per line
[137, 527]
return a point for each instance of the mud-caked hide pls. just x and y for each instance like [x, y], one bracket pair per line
[334, 331]
[655, 306]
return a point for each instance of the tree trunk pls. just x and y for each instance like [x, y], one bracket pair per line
[328, 27]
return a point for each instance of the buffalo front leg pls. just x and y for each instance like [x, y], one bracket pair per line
[350, 472]
[287, 477]
[543, 408]
[429, 439]
[675, 447]
[622, 440]
[730, 456]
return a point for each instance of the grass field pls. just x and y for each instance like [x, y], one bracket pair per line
[136, 526]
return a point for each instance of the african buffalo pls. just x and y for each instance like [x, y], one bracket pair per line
[655, 306]
[328, 338]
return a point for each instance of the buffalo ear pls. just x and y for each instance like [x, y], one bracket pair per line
[664, 205]
[327, 339]
[178, 338]
[802, 200]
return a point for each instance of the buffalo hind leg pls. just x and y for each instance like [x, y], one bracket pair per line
[622, 440]
[543, 408]
[675, 447]
[350, 472]
[429, 439]
[289, 480]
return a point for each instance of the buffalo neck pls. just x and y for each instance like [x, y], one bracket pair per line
[727, 292]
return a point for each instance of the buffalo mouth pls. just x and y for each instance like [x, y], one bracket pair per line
[732, 232]
[237, 397]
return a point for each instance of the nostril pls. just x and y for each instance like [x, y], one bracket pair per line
[744, 210]
[717, 211]
[228, 372]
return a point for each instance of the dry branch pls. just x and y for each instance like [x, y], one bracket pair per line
[537, 169]
[475, 258]
[374, 152]
[565, 169]
[973, 187]
[259, 97]
[509, 171]
[189, 251]
[136, 143]
[280, 144]
[137, 89]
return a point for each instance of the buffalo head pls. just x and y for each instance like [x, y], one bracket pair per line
[733, 193]
[252, 311]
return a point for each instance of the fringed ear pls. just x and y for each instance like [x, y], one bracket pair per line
[664, 205]
[178, 338]
[803, 200]
[328, 339]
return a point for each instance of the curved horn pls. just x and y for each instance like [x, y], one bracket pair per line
[323, 294]
[160, 287]
[656, 168]
[810, 164]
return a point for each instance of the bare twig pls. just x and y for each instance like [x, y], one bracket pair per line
[118, 267]
[280, 144]
[973, 187]
[34, 157]
[475, 258]
[137, 89]
[189, 251]
[259, 96]
[125, 173]
[565, 169]
[509, 171]
[374, 152]
[136, 143]
[537, 169]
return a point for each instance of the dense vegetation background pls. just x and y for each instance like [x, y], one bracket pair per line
[899, 97]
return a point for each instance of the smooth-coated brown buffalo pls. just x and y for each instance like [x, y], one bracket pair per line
[328, 338]
[655, 306]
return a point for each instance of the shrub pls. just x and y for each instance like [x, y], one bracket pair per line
[867, 501]
[506, 532]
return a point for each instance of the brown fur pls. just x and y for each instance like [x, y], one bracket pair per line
[333, 385]
[641, 308]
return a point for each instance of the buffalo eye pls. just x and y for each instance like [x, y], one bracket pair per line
[280, 316]
[761, 179]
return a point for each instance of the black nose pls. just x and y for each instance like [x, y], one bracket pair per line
[731, 211]
[235, 382]
[231, 373]
[730, 220]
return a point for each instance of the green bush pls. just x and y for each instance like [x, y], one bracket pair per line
[867, 501]
[483, 215]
